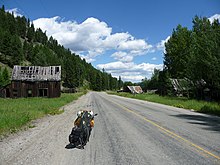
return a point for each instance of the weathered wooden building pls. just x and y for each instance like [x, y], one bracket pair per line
[34, 81]
[133, 89]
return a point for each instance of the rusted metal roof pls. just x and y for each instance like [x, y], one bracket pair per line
[36, 73]
[135, 89]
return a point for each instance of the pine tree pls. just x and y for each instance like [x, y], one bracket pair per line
[6, 46]
[17, 56]
[120, 83]
[30, 33]
[1, 78]
[5, 77]
[21, 26]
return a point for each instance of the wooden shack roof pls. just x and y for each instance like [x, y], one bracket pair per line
[135, 89]
[36, 73]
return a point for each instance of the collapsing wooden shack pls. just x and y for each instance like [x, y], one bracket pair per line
[34, 81]
[133, 89]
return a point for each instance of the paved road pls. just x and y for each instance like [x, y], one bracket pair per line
[127, 132]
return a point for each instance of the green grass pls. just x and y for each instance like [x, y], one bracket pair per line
[16, 113]
[180, 102]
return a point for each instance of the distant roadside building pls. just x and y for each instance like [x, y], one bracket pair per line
[34, 81]
[133, 89]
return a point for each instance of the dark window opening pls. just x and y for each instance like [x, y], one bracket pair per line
[56, 85]
[42, 92]
[7, 92]
[56, 70]
[15, 93]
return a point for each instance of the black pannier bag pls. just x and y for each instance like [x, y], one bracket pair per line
[75, 134]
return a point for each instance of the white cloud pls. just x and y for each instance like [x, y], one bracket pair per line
[132, 78]
[161, 45]
[134, 44]
[114, 66]
[94, 37]
[122, 56]
[212, 18]
[91, 36]
[130, 71]
[77, 37]
[15, 11]
[113, 40]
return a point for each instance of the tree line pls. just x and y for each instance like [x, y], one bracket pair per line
[22, 44]
[193, 56]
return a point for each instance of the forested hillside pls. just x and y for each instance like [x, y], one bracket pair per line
[192, 58]
[22, 44]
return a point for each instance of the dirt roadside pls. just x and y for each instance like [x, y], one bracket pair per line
[47, 139]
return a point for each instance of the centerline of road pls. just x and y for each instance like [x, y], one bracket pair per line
[167, 132]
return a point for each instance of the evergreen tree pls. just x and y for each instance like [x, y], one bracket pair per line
[120, 83]
[40, 36]
[3, 18]
[164, 83]
[127, 83]
[5, 76]
[7, 47]
[1, 42]
[1, 78]
[30, 33]
[98, 84]
[154, 81]
[11, 24]
[21, 26]
[17, 55]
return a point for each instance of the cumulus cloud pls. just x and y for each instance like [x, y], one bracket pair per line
[212, 18]
[122, 56]
[130, 71]
[91, 37]
[133, 44]
[77, 37]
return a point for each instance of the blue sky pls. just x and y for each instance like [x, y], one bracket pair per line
[125, 37]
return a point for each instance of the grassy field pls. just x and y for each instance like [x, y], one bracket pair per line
[16, 113]
[180, 102]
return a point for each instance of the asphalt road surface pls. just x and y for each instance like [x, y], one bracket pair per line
[126, 132]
